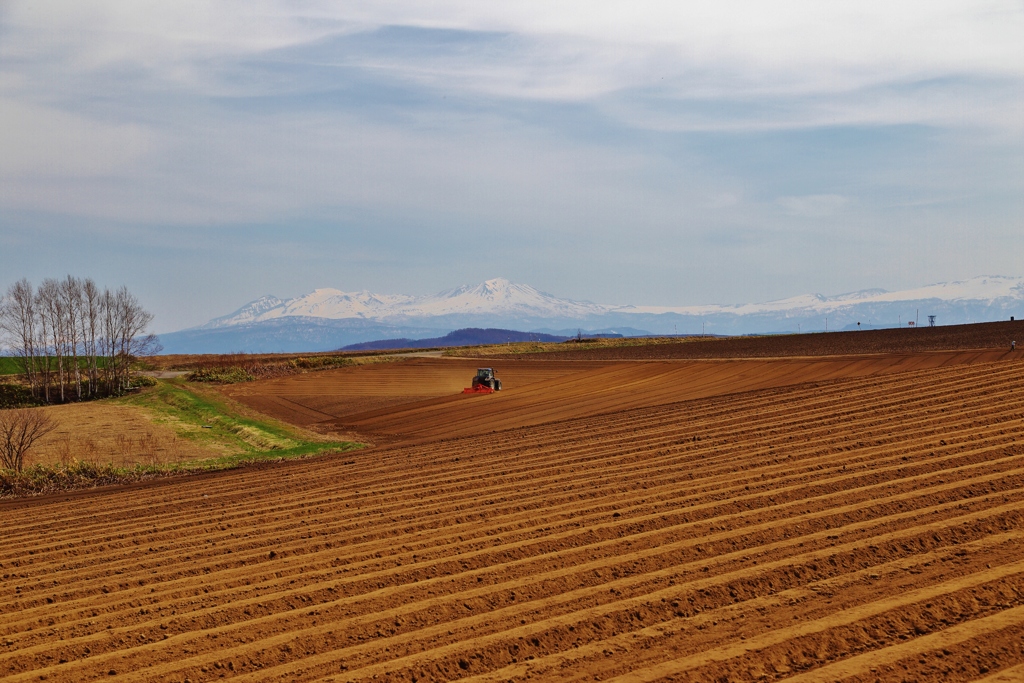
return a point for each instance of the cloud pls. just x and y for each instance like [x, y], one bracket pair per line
[813, 205]
[43, 142]
[723, 200]
[564, 51]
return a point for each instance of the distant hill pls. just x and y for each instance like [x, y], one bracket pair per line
[470, 336]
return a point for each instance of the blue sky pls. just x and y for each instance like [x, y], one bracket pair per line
[656, 153]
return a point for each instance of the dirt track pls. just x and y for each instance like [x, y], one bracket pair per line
[864, 523]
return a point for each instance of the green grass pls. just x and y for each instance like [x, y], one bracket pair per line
[10, 365]
[206, 418]
[197, 415]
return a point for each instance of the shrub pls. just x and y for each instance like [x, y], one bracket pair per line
[228, 375]
[74, 475]
[319, 362]
[17, 396]
[20, 428]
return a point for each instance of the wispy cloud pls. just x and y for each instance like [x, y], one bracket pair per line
[813, 206]
[44, 142]
[569, 51]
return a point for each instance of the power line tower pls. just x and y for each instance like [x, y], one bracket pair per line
[931, 321]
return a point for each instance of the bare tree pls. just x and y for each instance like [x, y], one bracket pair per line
[70, 292]
[137, 319]
[125, 323]
[67, 326]
[51, 309]
[18, 324]
[42, 336]
[19, 430]
[92, 309]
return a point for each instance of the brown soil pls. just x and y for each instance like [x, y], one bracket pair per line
[421, 398]
[850, 519]
[941, 338]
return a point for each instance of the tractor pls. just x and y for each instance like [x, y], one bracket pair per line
[484, 382]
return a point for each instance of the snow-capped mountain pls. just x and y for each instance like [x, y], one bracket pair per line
[330, 304]
[248, 313]
[979, 290]
[497, 297]
[501, 296]
[327, 319]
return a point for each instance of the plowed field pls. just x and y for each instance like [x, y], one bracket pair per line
[322, 397]
[941, 338]
[849, 519]
[422, 398]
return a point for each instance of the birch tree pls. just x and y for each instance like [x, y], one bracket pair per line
[51, 310]
[91, 312]
[67, 326]
[18, 325]
[70, 293]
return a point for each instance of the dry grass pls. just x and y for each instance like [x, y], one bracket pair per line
[103, 432]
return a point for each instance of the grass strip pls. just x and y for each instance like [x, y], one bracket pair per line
[204, 416]
[10, 366]
[13, 365]
[196, 414]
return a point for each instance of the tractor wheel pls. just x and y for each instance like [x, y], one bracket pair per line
[497, 385]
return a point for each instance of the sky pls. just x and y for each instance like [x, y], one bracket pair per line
[650, 153]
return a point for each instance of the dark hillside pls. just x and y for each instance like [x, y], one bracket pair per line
[905, 340]
[471, 336]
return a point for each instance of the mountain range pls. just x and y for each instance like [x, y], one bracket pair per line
[498, 297]
[328, 319]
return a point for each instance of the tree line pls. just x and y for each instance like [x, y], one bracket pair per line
[72, 339]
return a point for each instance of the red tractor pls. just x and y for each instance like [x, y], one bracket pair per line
[484, 383]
